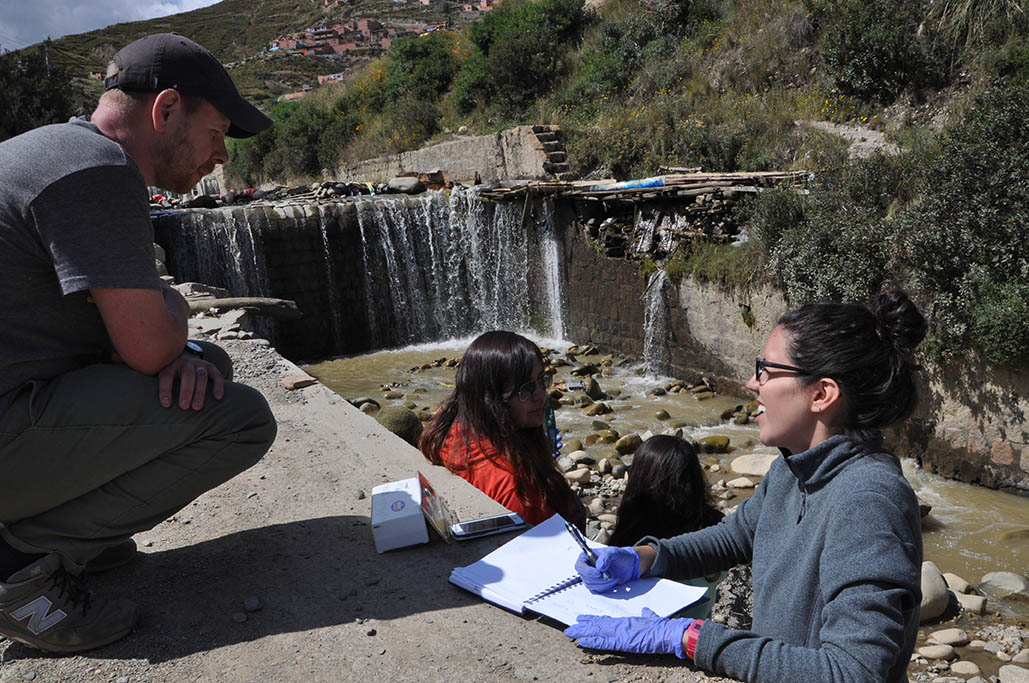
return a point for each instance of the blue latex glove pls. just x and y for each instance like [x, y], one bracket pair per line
[620, 564]
[646, 634]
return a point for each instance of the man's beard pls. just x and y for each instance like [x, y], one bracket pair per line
[173, 164]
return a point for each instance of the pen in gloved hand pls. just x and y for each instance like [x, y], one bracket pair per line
[591, 556]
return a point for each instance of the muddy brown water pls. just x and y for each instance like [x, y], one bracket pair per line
[970, 531]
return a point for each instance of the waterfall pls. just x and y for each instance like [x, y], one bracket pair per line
[438, 267]
[655, 323]
[377, 272]
[223, 249]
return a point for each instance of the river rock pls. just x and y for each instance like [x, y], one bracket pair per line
[604, 466]
[657, 391]
[580, 476]
[618, 471]
[402, 422]
[714, 444]
[1009, 673]
[936, 651]
[755, 464]
[703, 395]
[592, 388]
[975, 604]
[935, 596]
[741, 483]
[406, 185]
[956, 583]
[949, 636]
[597, 409]
[661, 415]
[1022, 657]
[628, 443]
[1004, 584]
[585, 370]
[364, 400]
[596, 507]
[392, 395]
[565, 464]
[965, 668]
[573, 445]
[369, 408]
[581, 457]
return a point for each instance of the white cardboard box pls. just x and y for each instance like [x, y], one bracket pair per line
[397, 518]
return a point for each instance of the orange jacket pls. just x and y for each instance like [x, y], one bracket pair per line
[484, 467]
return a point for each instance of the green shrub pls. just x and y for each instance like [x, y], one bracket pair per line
[871, 49]
[411, 123]
[965, 242]
[420, 66]
[999, 318]
[520, 48]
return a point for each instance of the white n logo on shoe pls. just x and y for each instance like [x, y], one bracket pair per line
[39, 614]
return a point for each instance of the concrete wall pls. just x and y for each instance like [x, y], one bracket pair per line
[971, 424]
[512, 153]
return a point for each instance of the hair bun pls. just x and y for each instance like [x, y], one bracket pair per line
[898, 322]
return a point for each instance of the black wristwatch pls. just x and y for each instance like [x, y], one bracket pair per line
[195, 349]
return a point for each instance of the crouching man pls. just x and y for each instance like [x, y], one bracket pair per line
[110, 421]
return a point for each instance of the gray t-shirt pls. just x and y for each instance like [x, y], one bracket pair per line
[74, 216]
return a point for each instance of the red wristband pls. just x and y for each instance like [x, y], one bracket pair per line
[692, 634]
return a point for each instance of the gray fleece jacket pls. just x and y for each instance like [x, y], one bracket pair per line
[835, 539]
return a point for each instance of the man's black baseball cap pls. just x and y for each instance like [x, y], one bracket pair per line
[168, 60]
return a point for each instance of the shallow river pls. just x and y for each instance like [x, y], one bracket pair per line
[970, 531]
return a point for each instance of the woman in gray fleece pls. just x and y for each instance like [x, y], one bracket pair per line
[833, 530]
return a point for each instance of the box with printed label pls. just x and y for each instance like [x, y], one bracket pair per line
[397, 518]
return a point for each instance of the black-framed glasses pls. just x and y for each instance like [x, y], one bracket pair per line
[760, 364]
[526, 391]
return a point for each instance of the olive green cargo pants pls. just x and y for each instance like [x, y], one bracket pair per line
[89, 458]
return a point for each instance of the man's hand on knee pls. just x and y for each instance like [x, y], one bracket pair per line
[193, 374]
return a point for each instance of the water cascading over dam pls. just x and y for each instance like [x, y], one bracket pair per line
[379, 272]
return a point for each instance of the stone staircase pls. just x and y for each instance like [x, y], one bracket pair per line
[553, 148]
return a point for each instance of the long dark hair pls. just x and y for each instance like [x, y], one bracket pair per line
[667, 493]
[868, 350]
[494, 365]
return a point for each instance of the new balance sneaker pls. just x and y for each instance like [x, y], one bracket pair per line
[45, 607]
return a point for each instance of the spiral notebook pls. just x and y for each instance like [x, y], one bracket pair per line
[536, 572]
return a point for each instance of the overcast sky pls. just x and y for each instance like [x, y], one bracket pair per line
[24, 22]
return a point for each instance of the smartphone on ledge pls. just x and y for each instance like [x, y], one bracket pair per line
[496, 524]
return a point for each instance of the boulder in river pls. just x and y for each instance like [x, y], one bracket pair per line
[401, 421]
[935, 596]
[754, 464]
[1004, 584]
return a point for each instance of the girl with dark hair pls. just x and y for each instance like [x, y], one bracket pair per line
[668, 495]
[833, 530]
[490, 430]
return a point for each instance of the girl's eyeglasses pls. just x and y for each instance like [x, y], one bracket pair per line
[761, 364]
[526, 391]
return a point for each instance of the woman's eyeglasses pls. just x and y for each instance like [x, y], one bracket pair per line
[526, 391]
[760, 364]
